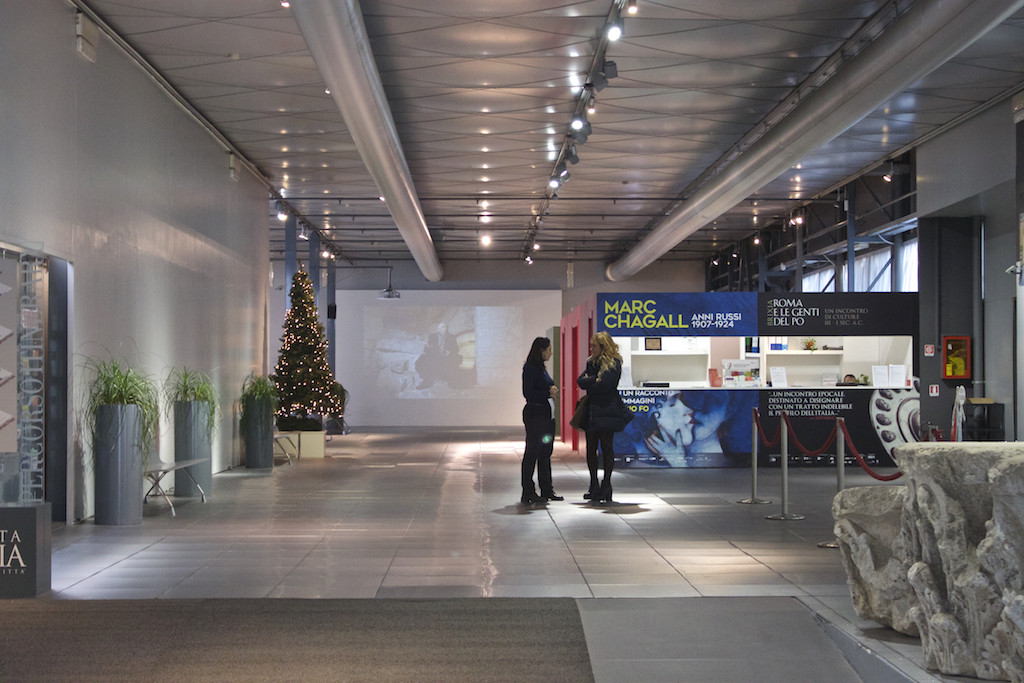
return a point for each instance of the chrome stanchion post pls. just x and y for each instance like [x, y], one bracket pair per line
[840, 471]
[784, 515]
[753, 500]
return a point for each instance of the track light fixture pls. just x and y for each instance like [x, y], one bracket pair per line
[714, 260]
[581, 135]
[554, 183]
[888, 175]
[529, 260]
[610, 69]
[579, 121]
[303, 233]
[282, 215]
[735, 253]
[631, 7]
[592, 105]
[757, 238]
[614, 30]
[599, 82]
[570, 154]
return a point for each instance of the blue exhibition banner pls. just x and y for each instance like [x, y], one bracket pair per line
[678, 314]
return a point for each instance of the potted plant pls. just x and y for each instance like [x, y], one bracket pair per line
[259, 401]
[193, 399]
[123, 410]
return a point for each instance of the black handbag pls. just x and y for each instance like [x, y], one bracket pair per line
[627, 414]
[581, 415]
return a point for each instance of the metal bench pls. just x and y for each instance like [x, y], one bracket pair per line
[155, 473]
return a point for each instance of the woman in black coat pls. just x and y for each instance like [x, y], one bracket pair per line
[600, 380]
[539, 390]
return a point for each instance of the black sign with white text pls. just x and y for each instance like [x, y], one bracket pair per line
[826, 314]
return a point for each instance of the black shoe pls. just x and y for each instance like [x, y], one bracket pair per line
[591, 493]
[531, 498]
[605, 494]
[552, 496]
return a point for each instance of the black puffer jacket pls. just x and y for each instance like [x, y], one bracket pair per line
[603, 390]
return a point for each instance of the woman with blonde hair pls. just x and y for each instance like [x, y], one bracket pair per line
[600, 380]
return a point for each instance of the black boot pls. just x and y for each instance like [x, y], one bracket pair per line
[604, 495]
[530, 497]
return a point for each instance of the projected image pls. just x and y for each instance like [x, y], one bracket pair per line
[441, 352]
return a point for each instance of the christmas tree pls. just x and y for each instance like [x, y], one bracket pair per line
[306, 387]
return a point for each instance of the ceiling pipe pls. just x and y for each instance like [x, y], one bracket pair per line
[337, 39]
[927, 36]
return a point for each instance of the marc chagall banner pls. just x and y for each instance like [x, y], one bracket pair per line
[680, 314]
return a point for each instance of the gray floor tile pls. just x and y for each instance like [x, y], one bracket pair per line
[434, 513]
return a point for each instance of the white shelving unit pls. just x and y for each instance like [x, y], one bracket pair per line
[682, 361]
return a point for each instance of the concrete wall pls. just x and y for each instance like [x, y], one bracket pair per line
[99, 167]
[970, 171]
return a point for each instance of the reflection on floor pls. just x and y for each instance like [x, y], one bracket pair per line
[435, 513]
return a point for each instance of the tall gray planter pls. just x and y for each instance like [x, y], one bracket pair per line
[192, 442]
[258, 433]
[118, 453]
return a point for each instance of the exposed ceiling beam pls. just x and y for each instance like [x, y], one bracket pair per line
[337, 39]
[927, 36]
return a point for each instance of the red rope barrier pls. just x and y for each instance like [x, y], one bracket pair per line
[792, 433]
[864, 465]
[760, 430]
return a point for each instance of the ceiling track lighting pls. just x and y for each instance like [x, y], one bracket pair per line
[888, 175]
[282, 215]
[570, 154]
[579, 121]
[631, 7]
[614, 30]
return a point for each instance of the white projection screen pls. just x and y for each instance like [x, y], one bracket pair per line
[438, 358]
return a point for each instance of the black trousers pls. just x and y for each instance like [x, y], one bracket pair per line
[540, 442]
[605, 461]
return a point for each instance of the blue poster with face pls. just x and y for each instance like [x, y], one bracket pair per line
[687, 428]
[680, 314]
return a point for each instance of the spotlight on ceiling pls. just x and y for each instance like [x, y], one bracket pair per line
[536, 246]
[757, 239]
[389, 292]
[735, 253]
[282, 215]
[887, 176]
[303, 233]
[529, 260]
[614, 30]
[599, 82]
[581, 135]
[579, 121]
[554, 183]
[592, 105]
[570, 155]
[714, 261]
[631, 7]
[610, 69]
[485, 240]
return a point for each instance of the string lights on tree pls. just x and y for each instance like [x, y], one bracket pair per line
[306, 386]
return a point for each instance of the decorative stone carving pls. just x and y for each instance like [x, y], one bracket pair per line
[964, 526]
[868, 523]
[961, 539]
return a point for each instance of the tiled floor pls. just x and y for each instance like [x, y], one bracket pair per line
[435, 513]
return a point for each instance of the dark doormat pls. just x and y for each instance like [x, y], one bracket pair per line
[468, 639]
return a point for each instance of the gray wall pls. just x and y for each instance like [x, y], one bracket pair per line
[98, 166]
[970, 171]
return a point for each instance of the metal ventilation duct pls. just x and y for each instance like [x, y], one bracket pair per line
[337, 39]
[925, 37]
